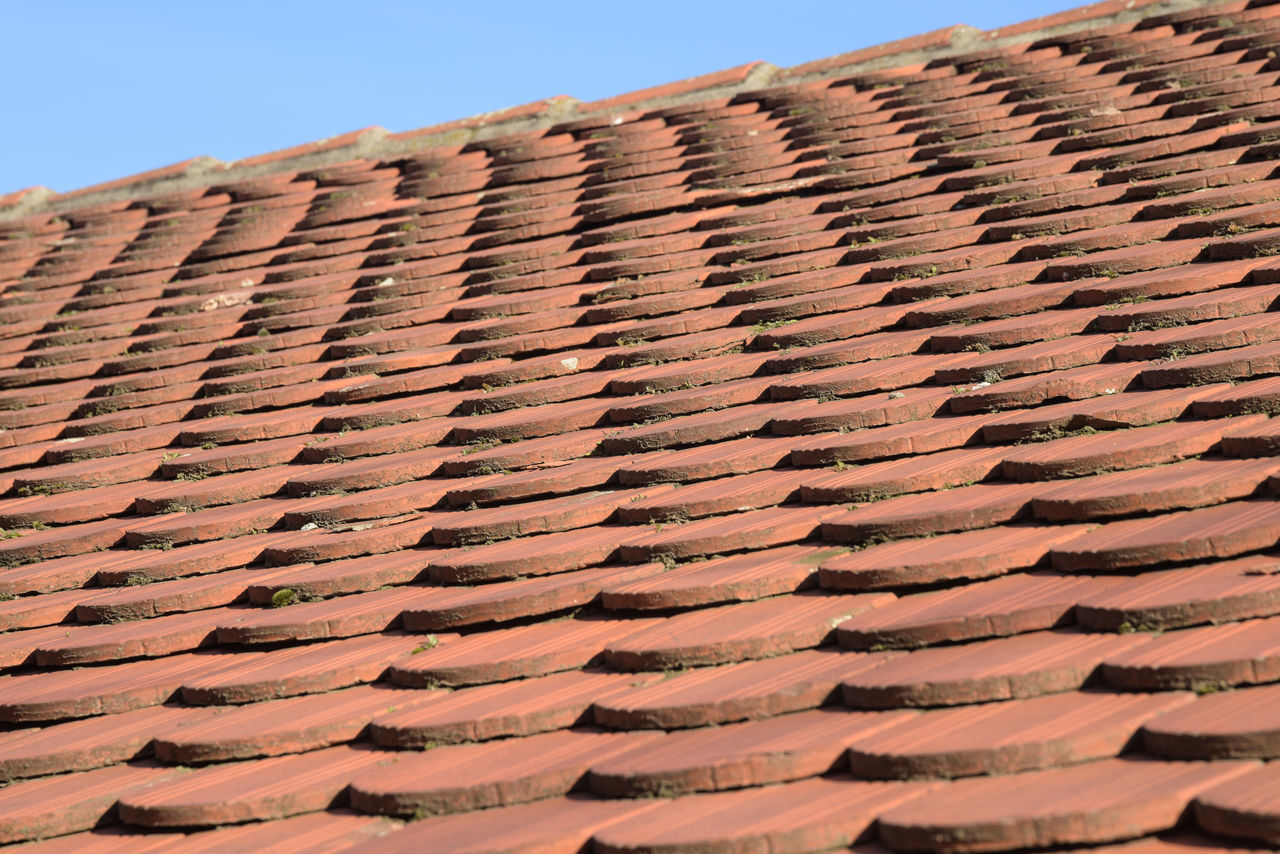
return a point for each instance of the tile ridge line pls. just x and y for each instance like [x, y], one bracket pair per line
[379, 143]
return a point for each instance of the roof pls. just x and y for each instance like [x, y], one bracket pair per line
[878, 451]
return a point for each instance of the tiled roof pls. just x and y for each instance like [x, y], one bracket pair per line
[878, 451]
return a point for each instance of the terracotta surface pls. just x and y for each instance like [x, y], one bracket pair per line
[876, 453]
[812, 815]
[461, 778]
[1026, 665]
[1234, 724]
[1205, 657]
[1061, 806]
[1244, 807]
[1003, 738]
[743, 691]
[754, 753]
[1004, 606]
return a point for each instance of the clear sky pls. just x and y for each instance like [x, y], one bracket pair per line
[96, 90]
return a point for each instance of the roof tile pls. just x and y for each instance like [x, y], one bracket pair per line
[1243, 807]
[276, 727]
[947, 557]
[1238, 653]
[1008, 737]
[464, 777]
[1221, 531]
[567, 822]
[809, 815]
[1225, 591]
[744, 691]
[753, 753]
[257, 789]
[1060, 806]
[1119, 450]
[1231, 725]
[1003, 606]
[738, 632]
[484, 712]
[80, 800]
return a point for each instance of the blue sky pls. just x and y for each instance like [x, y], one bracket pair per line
[99, 90]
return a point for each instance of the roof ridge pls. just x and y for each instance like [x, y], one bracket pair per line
[940, 44]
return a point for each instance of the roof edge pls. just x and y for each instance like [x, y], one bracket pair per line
[380, 143]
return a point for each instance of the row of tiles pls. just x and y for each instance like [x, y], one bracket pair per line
[508, 153]
[352, 631]
[752, 244]
[574, 823]
[1065, 780]
[336, 478]
[747, 473]
[806, 310]
[415, 708]
[571, 534]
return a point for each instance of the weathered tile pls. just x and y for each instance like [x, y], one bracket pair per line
[894, 440]
[1095, 802]
[965, 508]
[1221, 592]
[1243, 807]
[1190, 483]
[484, 712]
[1011, 605]
[233, 677]
[1229, 725]
[751, 529]
[78, 693]
[1020, 666]
[920, 473]
[746, 690]
[277, 727]
[1118, 450]
[738, 632]
[1222, 531]
[451, 607]
[511, 653]
[753, 575]
[465, 777]
[738, 755]
[90, 743]
[947, 557]
[566, 823]
[810, 815]
[80, 800]
[1201, 658]
[254, 790]
[1008, 737]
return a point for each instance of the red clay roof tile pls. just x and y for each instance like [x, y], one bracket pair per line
[1238, 653]
[754, 412]
[1094, 802]
[753, 753]
[1244, 807]
[1008, 737]
[810, 815]
[1231, 725]
[465, 777]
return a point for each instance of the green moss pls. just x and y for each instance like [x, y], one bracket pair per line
[1146, 626]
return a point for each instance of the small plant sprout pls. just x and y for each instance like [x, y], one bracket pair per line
[429, 642]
